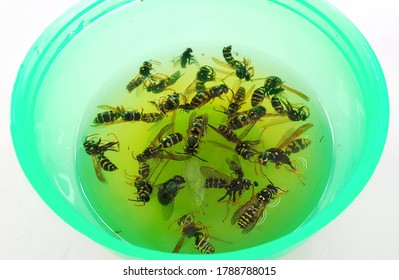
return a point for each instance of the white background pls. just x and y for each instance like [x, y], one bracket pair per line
[367, 229]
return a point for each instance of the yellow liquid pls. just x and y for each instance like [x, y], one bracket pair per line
[143, 225]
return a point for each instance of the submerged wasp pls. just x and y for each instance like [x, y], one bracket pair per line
[195, 132]
[242, 69]
[244, 118]
[190, 228]
[234, 186]
[161, 83]
[144, 73]
[96, 149]
[167, 193]
[120, 114]
[166, 104]
[273, 86]
[244, 148]
[187, 58]
[203, 97]
[248, 215]
[290, 143]
[205, 74]
[155, 150]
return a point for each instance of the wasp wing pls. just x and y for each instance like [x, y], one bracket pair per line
[179, 244]
[240, 211]
[210, 172]
[98, 169]
[257, 215]
[297, 92]
[290, 136]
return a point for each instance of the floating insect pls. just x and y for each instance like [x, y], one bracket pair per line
[278, 155]
[201, 98]
[234, 186]
[155, 150]
[167, 193]
[300, 114]
[166, 104]
[205, 74]
[248, 215]
[144, 73]
[273, 86]
[189, 228]
[195, 132]
[96, 149]
[243, 70]
[238, 99]
[187, 58]
[158, 85]
[244, 118]
[244, 148]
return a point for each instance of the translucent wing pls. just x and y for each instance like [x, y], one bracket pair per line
[288, 138]
[255, 220]
[98, 169]
[167, 210]
[179, 244]
[210, 172]
[221, 63]
[161, 132]
[297, 92]
[240, 211]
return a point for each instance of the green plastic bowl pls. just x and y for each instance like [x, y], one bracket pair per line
[95, 40]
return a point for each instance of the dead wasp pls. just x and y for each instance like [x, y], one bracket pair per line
[144, 73]
[273, 86]
[155, 150]
[166, 104]
[189, 228]
[294, 114]
[96, 149]
[239, 94]
[278, 155]
[248, 215]
[160, 84]
[195, 132]
[205, 74]
[244, 118]
[187, 58]
[242, 68]
[120, 114]
[167, 193]
[244, 148]
[234, 186]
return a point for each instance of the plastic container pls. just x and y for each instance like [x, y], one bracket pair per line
[96, 40]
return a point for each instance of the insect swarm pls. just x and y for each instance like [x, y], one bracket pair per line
[173, 139]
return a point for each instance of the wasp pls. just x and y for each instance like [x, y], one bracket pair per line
[110, 116]
[234, 187]
[196, 130]
[242, 68]
[278, 155]
[239, 95]
[201, 98]
[244, 148]
[166, 104]
[189, 228]
[187, 58]
[167, 193]
[97, 149]
[248, 215]
[294, 114]
[245, 118]
[273, 86]
[144, 189]
[205, 74]
[161, 84]
[155, 150]
[144, 73]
